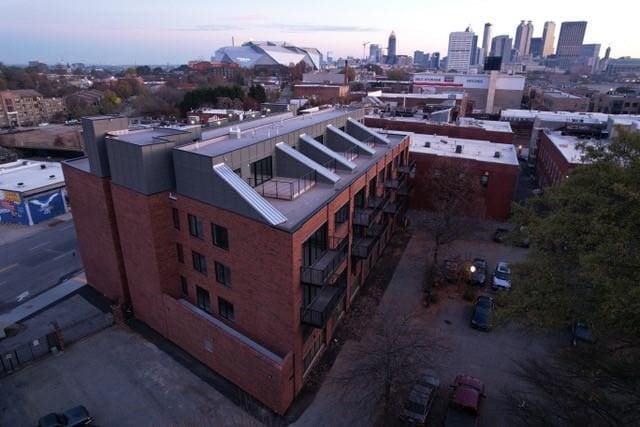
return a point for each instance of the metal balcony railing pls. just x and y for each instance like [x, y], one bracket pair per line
[408, 168]
[326, 265]
[322, 307]
[363, 247]
[285, 188]
[405, 188]
[377, 230]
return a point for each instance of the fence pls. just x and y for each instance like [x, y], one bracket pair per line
[15, 358]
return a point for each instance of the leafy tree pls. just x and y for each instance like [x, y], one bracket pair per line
[143, 70]
[397, 74]
[375, 68]
[111, 103]
[258, 93]
[583, 265]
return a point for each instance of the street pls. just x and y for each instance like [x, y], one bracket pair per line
[36, 263]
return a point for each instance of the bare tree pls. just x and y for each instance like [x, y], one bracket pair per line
[453, 198]
[384, 364]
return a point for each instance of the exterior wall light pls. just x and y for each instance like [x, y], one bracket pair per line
[484, 179]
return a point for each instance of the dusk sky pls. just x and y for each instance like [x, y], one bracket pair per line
[162, 31]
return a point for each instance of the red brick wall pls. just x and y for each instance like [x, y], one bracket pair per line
[552, 167]
[266, 380]
[322, 93]
[494, 200]
[444, 130]
[94, 218]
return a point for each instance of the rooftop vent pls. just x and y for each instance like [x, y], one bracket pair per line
[51, 176]
[497, 155]
[444, 141]
[43, 166]
[458, 149]
[20, 184]
[237, 133]
[427, 144]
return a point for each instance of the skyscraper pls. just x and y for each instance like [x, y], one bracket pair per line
[391, 49]
[522, 42]
[501, 46]
[460, 51]
[571, 38]
[548, 38]
[374, 53]
[536, 47]
[486, 38]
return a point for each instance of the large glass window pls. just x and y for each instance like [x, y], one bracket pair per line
[372, 186]
[359, 199]
[342, 215]
[176, 218]
[314, 246]
[261, 171]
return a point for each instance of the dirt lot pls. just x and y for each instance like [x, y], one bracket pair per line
[123, 380]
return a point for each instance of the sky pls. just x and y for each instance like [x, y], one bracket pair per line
[174, 32]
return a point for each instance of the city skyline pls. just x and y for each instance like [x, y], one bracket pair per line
[159, 32]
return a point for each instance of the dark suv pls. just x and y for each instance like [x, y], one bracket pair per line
[78, 416]
[418, 403]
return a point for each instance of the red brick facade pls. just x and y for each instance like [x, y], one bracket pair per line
[494, 200]
[262, 349]
[551, 166]
[323, 93]
[443, 129]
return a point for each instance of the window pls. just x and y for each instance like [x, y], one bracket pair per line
[261, 171]
[176, 218]
[203, 300]
[308, 294]
[359, 199]
[342, 215]
[373, 187]
[199, 262]
[225, 308]
[195, 226]
[314, 246]
[184, 286]
[180, 253]
[220, 236]
[223, 274]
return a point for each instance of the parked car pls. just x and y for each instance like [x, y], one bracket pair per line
[580, 332]
[77, 416]
[418, 403]
[464, 406]
[482, 317]
[478, 270]
[501, 277]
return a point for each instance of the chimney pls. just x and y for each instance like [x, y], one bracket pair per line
[346, 69]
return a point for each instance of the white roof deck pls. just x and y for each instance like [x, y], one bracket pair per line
[28, 177]
[570, 146]
[488, 125]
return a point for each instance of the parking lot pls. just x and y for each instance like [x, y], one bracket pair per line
[123, 380]
[489, 356]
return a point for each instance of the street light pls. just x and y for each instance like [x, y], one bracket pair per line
[472, 269]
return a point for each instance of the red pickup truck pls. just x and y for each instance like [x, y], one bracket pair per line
[464, 406]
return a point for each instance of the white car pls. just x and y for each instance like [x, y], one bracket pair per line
[501, 277]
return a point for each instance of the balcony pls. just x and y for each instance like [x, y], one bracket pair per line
[408, 168]
[285, 188]
[363, 247]
[394, 184]
[377, 230]
[405, 188]
[366, 216]
[321, 308]
[326, 265]
[394, 208]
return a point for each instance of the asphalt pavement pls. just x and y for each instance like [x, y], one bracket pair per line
[36, 263]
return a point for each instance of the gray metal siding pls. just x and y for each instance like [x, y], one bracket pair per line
[126, 164]
[93, 131]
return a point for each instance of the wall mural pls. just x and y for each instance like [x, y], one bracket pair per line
[12, 210]
[46, 206]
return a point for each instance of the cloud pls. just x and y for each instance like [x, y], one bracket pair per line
[321, 28]
[211, 28]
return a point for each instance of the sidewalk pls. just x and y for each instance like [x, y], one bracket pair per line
[43, 300]
[12, 232]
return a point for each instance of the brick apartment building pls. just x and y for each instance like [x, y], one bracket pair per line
[466, 128]
[558, 153]
[27, 107]
[494, 165]
[244, 249]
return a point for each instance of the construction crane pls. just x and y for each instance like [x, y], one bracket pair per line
[364, 50]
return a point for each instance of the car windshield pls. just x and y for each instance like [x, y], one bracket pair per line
[415, 407]
[502, 275]
[484, 303]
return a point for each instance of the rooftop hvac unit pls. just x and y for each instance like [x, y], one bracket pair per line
[427, 144]
[458, 149]
[497, 155]
[444, 141]
[235, 133]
